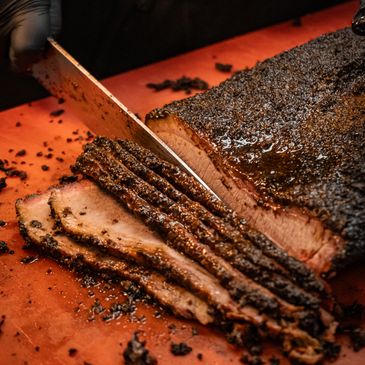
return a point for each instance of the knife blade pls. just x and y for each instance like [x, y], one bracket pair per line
[96, 106]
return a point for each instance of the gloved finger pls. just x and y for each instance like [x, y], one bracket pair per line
[358, 23]
[55, 15]
[28, 38]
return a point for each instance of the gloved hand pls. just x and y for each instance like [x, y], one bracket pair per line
[24, 28]
[358, 23]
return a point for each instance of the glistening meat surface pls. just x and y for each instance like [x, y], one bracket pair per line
[282, 144]
[37, 227]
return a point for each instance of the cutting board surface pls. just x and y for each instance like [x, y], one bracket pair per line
[46, 307]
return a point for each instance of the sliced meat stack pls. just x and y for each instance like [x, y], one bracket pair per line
[283, 145]
[145, 220]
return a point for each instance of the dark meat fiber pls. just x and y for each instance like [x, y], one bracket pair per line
[283, 145]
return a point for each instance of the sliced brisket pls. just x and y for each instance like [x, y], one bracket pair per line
[180, 221]
[37, 227]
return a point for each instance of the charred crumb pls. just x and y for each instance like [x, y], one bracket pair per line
[137, 354]
[60, 121]
[68, 140]
[199, 356]
[3, 248]
[72, 352]
[180, 349]
[45, 167]
[48, 155]
[18, 124]
[331, 350]
[2, 321]
[18, 173]
[39, 154]
[255, 360]
[3, 184]
[35, 224]
[357, 337]
[45, 144]
[274, 361]
[61, 100]
[21, 153]
[183, 83]
[60, 159]
[118, 309]
[223, 67]
[57, 113]
[89, 136]
[2, 223]
[67, 179]
[97, 307]
[29, 259]
[88, 281]
[37, 348]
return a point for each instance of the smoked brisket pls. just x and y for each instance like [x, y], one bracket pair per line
[283, 145]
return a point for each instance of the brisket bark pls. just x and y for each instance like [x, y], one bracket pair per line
[282, 144]
[37, 227]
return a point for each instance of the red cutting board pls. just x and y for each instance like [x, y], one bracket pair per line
[46, 310]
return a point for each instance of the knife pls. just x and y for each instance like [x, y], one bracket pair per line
[103, 113]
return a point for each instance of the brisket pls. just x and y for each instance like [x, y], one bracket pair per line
[37, 227]
[282, 144]
[206, 238]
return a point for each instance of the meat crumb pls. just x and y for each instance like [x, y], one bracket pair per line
[21, 153]
[39, 154]
[37, 348]
[357, 337]
[184, 83]
[180, 349]
[29, 259]
[2, 223]
[199, 356]
[3, 184]
[57, 113]
[223, 67]
[2, 321]
[45, 167]
[137, 354]
[18, 124]
[72, 352]
[61, 100]
[3, 247]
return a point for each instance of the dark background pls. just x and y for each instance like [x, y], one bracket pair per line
[112, 36]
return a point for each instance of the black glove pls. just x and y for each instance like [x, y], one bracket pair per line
[24, 28]
[358, 23]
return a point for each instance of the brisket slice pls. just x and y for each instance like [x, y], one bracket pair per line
[37, 227]
[282, 144]
[94, 217]
[99, 163]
